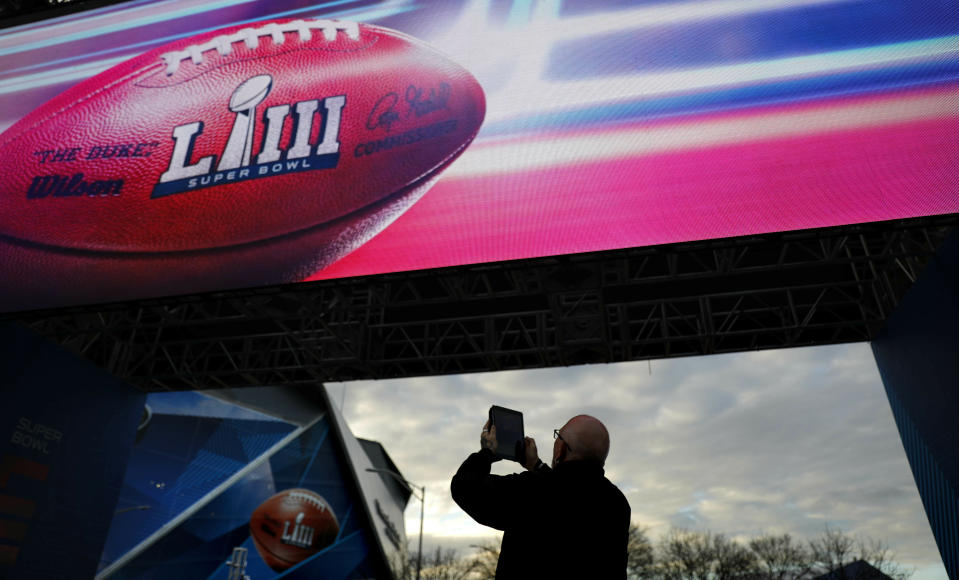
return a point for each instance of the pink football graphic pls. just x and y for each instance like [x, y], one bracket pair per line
[240, 157]
[291, 526]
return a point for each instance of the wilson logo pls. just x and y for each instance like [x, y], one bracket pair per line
[237, 162]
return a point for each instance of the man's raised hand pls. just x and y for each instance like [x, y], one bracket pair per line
[488, 437]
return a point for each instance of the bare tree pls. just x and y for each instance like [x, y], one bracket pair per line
[640, 559]
[833, 550]
[685, 555]
[441, 564]
[878, 554]
[444, 565]
[732, 560]
[485, 560]
[780, 558]
[692, 555]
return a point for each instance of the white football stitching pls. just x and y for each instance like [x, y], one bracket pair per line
[308, 498]
[251, 37]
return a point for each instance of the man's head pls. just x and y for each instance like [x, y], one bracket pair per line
[582, 438]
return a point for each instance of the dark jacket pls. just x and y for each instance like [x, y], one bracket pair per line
[568, 522]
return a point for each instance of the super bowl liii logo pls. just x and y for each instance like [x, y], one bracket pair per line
[236, 162]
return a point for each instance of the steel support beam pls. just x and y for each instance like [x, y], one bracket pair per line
[781, 290]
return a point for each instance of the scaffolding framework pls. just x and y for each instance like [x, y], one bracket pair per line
[793, 289]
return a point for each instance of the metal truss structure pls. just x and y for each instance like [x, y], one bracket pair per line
[16, 12]
[792, 289]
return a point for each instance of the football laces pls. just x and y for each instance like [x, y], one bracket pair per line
[251, 38]
[307, 498]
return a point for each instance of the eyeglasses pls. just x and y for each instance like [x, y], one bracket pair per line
[556, 435]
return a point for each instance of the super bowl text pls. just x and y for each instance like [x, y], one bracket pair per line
[236, 162]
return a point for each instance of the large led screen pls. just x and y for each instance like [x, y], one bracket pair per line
[163, 147]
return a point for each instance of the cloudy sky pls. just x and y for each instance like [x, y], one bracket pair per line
[773, 441]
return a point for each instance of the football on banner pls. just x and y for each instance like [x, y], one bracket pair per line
[245, 156]
[291, 526]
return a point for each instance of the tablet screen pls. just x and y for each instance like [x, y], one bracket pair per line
[509, 433]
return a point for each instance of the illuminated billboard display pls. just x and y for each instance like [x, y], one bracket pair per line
[157, 148]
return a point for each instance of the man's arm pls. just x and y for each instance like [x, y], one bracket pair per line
[491, 500]
[476, 491]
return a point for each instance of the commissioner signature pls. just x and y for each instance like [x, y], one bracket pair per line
[416, 102]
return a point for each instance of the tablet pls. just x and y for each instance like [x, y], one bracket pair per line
[510, 439]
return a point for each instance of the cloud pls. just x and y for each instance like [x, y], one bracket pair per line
[773, 441]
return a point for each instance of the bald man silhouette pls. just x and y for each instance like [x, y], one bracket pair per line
[564, 521]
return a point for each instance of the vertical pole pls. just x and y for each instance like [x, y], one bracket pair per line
[419, 555]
